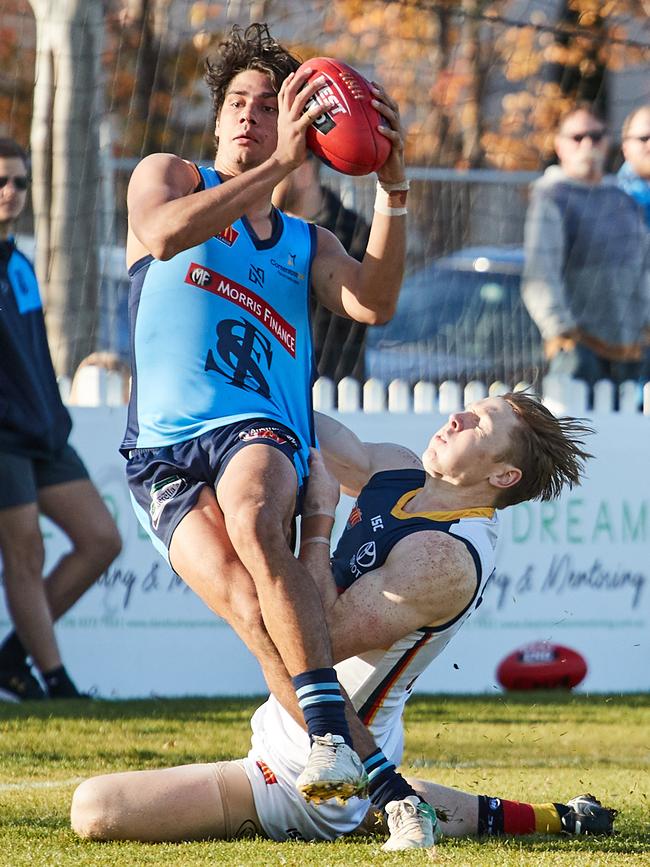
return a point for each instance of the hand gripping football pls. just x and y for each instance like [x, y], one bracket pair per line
[346, 136]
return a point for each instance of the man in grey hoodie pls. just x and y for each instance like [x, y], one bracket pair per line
[586, 279]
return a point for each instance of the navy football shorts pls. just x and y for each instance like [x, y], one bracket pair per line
[22, 477]
[165, 482]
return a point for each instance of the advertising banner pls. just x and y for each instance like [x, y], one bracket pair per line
[573, 572]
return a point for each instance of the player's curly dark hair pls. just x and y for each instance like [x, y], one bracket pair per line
[252, 48]
[548, 450]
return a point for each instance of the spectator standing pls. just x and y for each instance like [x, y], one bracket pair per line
[338, 342]
[585, 279]
[634, 174]
[40, 473]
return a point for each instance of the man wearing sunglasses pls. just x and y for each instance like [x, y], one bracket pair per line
[586, 281]
[40, 473]
[634, 174]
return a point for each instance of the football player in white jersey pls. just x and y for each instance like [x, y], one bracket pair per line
[387, 623]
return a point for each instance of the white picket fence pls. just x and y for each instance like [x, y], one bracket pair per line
[96, 386]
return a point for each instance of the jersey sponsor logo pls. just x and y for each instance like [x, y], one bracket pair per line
[288, 270]
[200, 276]
[256, 275]
[364, 559]
[245, 298]
[355, 517]
[269, 777]
[268, 433]
[228, 236]
[366, 555]
[161, 493]
[242, 347]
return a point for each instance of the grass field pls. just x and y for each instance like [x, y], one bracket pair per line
[538, 747]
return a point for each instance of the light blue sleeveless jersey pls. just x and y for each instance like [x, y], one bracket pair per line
[221, 332]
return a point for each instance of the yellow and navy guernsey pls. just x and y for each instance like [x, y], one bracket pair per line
[380, 682]
[221, 333]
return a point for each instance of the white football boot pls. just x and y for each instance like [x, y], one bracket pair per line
[333, 770]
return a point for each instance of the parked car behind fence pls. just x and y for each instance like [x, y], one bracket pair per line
[460, 317]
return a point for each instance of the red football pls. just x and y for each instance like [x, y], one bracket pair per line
[542, 666]
[346, 137]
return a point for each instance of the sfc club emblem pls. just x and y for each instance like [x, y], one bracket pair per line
[242, 351]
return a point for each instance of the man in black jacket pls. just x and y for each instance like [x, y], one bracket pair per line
[338, 342]
[40, 473]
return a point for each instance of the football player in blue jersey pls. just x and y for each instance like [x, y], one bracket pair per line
[411, 565]
[40, 472]
[220, 419]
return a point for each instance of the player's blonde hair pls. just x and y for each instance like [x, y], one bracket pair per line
[548, 451]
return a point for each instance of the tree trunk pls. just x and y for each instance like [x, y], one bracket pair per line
[65, 146]
[470, 111]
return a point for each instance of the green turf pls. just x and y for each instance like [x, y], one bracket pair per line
[539, 747]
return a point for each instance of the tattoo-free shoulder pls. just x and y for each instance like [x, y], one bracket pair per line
[391, 456]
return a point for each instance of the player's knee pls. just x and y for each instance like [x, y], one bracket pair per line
[94, 813]
[252, 527]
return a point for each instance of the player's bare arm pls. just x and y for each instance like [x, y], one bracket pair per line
[428, 579]
[367, 291]
[354, 462]
[167, 214]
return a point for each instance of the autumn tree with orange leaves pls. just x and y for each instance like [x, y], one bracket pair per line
[437, 59]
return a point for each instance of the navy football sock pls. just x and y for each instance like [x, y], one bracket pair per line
[321, 702]
[385, 783]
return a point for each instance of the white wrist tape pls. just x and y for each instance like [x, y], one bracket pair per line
[383, 199]
[313, 539]
[324, 512]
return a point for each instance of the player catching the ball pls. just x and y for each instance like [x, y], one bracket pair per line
[220, 419]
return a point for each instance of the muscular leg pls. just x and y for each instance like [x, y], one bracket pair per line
[219, 578]
[190, 802]
[77, 509]
[257, 497]
[457, 811]
[21, 545]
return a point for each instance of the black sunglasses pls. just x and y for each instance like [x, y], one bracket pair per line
[20, 182]
[595, 135]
